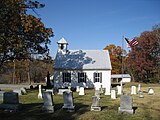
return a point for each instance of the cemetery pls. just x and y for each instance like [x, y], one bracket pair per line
[93, 105]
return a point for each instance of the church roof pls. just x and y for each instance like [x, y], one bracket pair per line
[83, 59]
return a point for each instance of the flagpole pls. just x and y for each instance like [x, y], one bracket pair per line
[122, 64]
[122, 55]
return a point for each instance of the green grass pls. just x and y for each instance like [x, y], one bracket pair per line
[147, 108]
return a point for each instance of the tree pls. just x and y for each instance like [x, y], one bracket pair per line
[116, 57]
[143, 58]
[21, 34]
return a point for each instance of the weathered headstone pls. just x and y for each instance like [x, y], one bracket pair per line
[141, 95]
[126, 104]
[81, 91]
[48, 105]
[10, 101]
[97, 93]
[101, 89]
[119, 88]
[95, 104]
[113, 94]
[68, 101]
[133, 90]
[40, 92]
[150, 91]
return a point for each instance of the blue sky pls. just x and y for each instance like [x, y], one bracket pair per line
[93, 24]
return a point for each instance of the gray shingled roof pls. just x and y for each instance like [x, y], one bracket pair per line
[83, 59]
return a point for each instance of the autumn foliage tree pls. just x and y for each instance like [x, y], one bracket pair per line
[116, 56]
[21, 34]
[144, 58]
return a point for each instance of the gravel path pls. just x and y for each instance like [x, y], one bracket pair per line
[13, 86]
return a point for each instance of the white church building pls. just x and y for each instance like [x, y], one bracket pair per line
[87, 68]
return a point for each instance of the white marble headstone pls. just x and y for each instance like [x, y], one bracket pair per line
[150, 91]
[40, 92]
[139, 87]
[81, 91]
[113, 94]
[119, 88]
[133, 90]
[77, 89]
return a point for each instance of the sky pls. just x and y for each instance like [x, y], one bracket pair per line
[94, 24]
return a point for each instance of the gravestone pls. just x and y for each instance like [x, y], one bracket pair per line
[23, 91]
[48, 105]
[61, 90]
[50, 90]
[119, 88]
[113, 94]
[77, 89]
[141, 95]
[126, 104]
[68, 101]
[97, 93]
[150, 91]
[40, 92]
[1, 96]
[18, 91]
[139, 87]
[107, 91]
[81, 91]
[101, 89]
[95, 104]
[10, 101]
[133, 90]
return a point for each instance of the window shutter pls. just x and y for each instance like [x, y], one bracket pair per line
[69, 77]
[100, 75]
[85, 77]
[78, 76]
[63, 77]
[94, 74]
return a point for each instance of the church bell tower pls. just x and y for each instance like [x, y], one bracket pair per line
[62, 46]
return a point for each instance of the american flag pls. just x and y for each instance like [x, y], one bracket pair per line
[131, 43]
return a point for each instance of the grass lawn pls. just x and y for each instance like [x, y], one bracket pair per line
[147, 108]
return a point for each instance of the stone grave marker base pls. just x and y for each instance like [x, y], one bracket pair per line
[49, 108]
[15, 107]
[95, 108]
[69, 108]
[125, 111]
